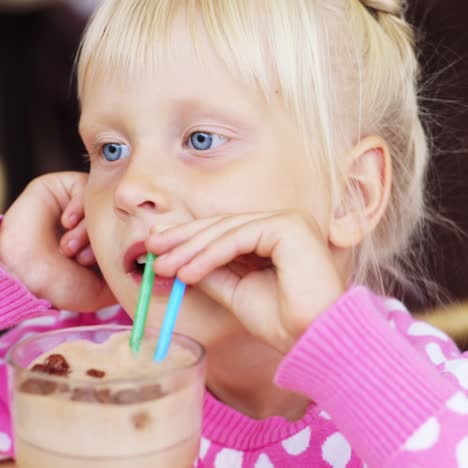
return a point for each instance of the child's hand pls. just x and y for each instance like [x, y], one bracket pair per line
[272, 270]
[33, 247]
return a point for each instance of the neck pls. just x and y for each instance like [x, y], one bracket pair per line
[243, 380]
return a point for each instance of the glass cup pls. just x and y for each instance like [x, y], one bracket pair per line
[146, 421]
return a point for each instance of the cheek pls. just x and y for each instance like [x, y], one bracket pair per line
[97, 214]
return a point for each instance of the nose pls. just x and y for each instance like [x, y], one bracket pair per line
[138, 193]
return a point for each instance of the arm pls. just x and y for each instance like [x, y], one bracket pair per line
[372, 368]
[17, 303]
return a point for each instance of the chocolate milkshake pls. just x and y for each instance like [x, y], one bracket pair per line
[81, 395]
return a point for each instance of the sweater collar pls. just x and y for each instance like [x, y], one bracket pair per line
[228, 427]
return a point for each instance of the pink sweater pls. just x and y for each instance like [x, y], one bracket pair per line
[390, 391]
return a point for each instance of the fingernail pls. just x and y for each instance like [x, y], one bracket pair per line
[162, 227]
[87, 255]
[161, 258]
[73, 219]
[72, 246]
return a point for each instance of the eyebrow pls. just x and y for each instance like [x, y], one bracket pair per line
[182, 107]
[230, 115]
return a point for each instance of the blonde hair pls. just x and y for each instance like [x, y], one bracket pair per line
[344, 68]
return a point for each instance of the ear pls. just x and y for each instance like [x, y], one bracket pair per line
[366, 193]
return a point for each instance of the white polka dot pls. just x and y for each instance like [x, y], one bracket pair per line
[458, 403]
[27, 335]
[5, 442]
[204, 447]
[264, 462]
[101, 336]
[47, 320]
[434, 351]
[298, 443]
[462, 453]
[324, 415]
[108, 313]
[459, 368]
[67, 314]
[228, 458]
[336, 450]
[425, 437]
[392, 324]
[425, 329]
[394, 304]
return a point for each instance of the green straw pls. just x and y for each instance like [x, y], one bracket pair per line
[144, 299]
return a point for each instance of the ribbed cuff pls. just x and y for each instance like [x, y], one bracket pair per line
[376, 387]
[17, 303]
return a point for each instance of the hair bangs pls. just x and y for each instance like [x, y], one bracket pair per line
[125, 37]
[132, 37]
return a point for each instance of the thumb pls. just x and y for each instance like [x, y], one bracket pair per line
[231, 290]
[220, 286]
[79, 288]
[251, 302]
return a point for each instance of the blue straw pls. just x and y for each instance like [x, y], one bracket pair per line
[172, 311]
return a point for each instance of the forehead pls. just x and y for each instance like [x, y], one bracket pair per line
[183, 86]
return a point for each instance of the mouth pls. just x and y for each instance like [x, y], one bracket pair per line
[135, 258]
[134, 264]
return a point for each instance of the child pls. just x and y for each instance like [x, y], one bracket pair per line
[271, 154]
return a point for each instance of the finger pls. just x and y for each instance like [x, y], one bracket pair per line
[86, 257]
[169, 263]
[72, 214]
[227, 289]
[241, 240]
[90, 291]
[74, 211]
[161, 241]
[75, 240]
[220, 286]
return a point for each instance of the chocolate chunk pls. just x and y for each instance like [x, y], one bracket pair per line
[42, 368]
[104, 396]
[150, 392]
[97, 374]
[127, 397]
[92, 395]
[141, 420]
[57, 365]
[57, 361]
[38, 387]
[85, 394]
[62, 388]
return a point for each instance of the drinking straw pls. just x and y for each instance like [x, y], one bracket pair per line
[167, 328]
[144, 299]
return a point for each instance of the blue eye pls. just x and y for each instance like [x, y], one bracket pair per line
[114, 151]
[203, 141]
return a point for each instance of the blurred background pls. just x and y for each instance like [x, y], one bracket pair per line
[39, 112]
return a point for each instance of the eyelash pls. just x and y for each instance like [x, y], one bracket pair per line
[97, 150]
[188, 143]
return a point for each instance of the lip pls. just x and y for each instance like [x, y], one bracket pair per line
[133, 252]
[162, 286]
